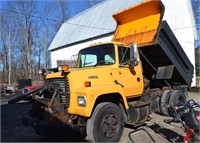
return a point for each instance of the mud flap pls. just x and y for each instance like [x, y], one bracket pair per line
[165, 72]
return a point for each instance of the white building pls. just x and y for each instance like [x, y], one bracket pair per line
[97, 25]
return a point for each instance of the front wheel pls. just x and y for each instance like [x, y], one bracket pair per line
[106, 123]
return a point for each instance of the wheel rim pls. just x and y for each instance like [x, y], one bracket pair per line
[110, 126]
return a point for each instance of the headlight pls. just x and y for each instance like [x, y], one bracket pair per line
[81, 101]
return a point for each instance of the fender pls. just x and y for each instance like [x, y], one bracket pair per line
[91, 94]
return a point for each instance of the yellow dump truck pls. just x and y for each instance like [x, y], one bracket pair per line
[141, 71]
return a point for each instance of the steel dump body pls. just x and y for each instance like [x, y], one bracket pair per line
[167, 51]
[143, 25]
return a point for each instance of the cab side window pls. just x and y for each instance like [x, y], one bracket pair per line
[124, 55]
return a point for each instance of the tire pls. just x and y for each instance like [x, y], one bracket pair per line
[177, 96]
[106, 123]
[164, 101]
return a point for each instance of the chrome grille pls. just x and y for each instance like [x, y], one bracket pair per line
[64, 90]
[67, 93]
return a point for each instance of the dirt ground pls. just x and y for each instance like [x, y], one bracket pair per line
[159, 129]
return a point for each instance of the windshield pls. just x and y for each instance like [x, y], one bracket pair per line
[97, 56]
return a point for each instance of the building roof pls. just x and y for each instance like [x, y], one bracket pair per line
[90, 23]
[96, 21]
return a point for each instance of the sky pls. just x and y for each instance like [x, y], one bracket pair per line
[77, 6]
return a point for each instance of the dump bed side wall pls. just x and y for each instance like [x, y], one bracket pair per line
[167, 51]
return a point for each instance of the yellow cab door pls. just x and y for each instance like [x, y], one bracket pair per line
[128, 77]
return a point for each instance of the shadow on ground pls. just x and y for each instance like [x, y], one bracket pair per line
[12, 129]
[146, 134]
[168, 134]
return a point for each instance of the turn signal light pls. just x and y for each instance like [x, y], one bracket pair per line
[63, 68]
[87, 83]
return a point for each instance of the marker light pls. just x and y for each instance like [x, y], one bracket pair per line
[63, 68]
[87, 83]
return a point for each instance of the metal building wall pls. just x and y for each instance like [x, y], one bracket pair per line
[178, 14]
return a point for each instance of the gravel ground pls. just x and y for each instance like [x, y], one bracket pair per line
[156, 130]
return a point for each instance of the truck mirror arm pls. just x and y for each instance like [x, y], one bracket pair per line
[133, 62]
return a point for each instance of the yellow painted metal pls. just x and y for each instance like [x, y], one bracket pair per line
[54, 75]
[139, 24]
[103, 83]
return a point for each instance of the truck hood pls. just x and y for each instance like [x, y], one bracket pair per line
[78, 76]
[97, 75]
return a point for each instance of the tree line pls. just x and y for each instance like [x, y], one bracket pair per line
[27, 29]
[196, 7]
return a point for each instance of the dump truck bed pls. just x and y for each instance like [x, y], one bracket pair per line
[167, 52]
[160, 52]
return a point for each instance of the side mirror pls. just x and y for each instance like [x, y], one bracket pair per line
[133, 55]
[133, 52]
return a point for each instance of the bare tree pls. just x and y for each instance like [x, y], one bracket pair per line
[196, 9]
[26, 35]
[7, 38]
[62, 13]
[24, 17]
[4, 46]
[46, 32]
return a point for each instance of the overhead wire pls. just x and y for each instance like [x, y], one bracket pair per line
[79, 24]
[82, 25]
[50, 19]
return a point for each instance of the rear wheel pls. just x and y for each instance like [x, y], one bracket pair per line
[165, 101]
[177, 97]
[106, 123]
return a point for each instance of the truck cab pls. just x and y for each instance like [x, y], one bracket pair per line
[141, 71]
[102, 73]
[115, 57]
